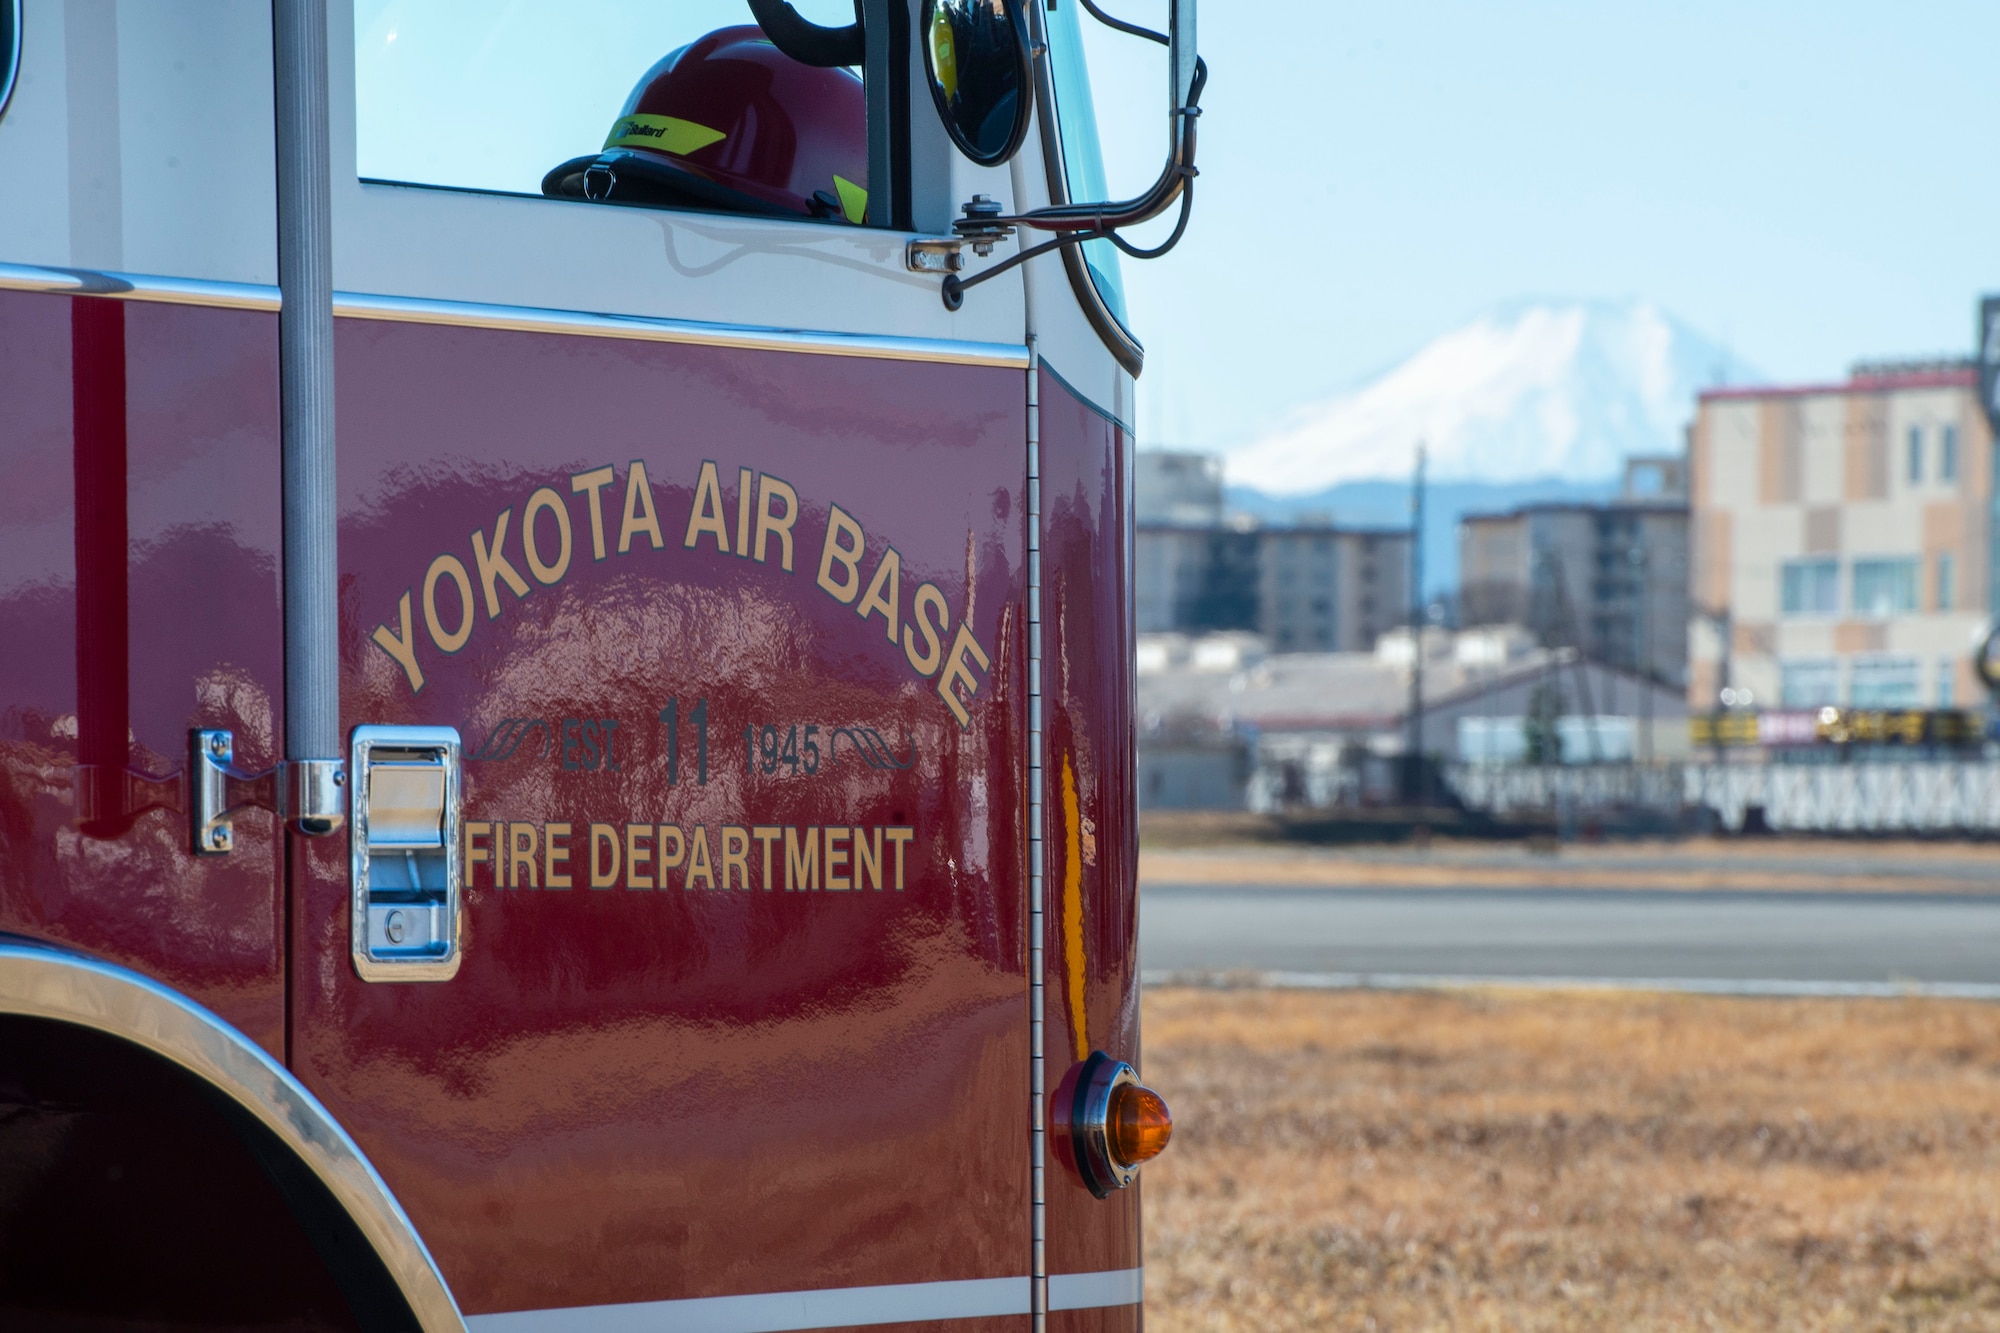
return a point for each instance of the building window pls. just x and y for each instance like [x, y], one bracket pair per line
[1886, 682]
[1811, 683]
[1884, 587]
[1947, 674]
[1916, 452]
[1811, 587]
[1948, 454]
[1947, 581]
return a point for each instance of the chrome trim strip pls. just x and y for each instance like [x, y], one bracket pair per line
[1037, 960]
[828, 1307]
[522, 319]
[882, 346]
[41, 982]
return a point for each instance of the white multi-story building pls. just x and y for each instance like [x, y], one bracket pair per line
[1842, 534]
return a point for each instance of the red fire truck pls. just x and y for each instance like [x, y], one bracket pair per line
[565, 750]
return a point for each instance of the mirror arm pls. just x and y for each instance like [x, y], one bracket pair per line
[1174, 179]
[807, 42]
[984, 225]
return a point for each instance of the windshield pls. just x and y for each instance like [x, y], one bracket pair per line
[469, 94]
[1083, 158]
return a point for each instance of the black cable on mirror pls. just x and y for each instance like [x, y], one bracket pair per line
[1187, 206]
[807, 42]
[1122, 26]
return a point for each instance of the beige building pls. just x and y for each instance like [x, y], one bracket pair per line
[1842, 534]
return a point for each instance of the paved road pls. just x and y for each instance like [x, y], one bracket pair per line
[1619, 935]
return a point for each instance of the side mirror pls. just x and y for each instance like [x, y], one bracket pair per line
[976, 53]
[10, 50]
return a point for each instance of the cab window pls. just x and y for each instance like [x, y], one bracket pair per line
[1083, 157]
[653, 103]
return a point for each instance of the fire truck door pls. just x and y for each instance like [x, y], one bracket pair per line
[730, 640]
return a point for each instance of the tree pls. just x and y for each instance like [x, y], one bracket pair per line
[1540, 729]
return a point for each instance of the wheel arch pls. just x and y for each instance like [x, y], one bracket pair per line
[292, 1134]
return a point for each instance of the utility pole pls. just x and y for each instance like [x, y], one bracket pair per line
[1642, 657]
[1413, 783]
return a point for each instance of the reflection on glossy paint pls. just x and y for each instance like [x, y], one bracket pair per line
[1074, 951]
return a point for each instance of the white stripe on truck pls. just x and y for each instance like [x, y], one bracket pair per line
[827, 1307]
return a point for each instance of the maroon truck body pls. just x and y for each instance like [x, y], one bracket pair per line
[753, 643]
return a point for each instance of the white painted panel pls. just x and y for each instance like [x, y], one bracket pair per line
[555, 254]
[197, 144]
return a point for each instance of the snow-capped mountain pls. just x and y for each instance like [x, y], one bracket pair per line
[1532, 389]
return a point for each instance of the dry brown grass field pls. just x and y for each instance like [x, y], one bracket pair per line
[1576, 1160]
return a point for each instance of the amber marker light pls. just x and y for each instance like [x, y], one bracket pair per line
[1140, 1124]
[1115, 1123]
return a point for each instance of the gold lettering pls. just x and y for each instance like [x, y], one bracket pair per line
[801, 859]
[957, 673]
[545, 573]
[594, 481]
[885, 590]
[744, 476]
[931, 616]
[402, 647]
[699, 866]
[767, 834]
[897, 837]
[671, 860]
[868, 860]
[638, 853]
[521, 856]
[495, 564]
[454, 568]
[639, 515]
[836, 857]
[769, 488]
[847, 553]
[707, 513]
[476, 855]
[603, 836]
[735, 857]
[554, 852]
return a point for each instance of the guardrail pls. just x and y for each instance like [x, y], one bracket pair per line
[1919, 796]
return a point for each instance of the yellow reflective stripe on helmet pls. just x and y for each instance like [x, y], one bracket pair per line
[944, 54]
[665, 134]
[853, 199]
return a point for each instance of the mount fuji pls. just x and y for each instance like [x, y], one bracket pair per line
[1532, 401]
[1530, 390]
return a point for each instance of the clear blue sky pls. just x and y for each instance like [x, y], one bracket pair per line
[1813, 183]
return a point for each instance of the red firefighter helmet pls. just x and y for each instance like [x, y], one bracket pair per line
[730, 122]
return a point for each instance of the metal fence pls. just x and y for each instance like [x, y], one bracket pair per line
[1931, 796]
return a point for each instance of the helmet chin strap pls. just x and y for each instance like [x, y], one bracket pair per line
[807, 42]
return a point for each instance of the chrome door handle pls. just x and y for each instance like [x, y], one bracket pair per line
[407, 905]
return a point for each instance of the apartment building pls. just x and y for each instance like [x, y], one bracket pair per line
[1842, 540]
[1311, 586]
[1322, 588]
[1609, 579]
